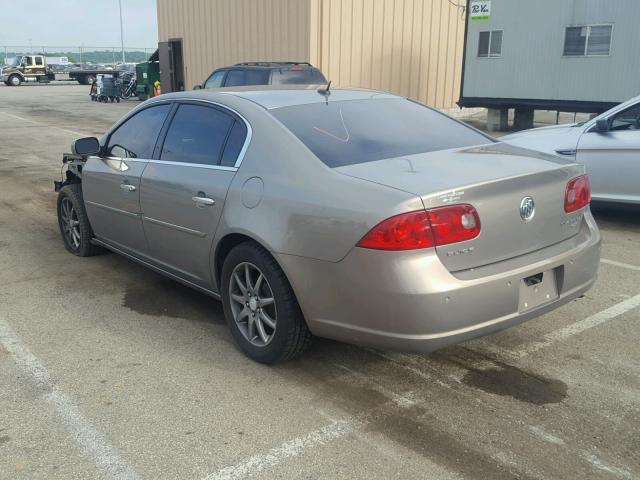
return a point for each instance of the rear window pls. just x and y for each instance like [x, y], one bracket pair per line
[296, 76]
[359, 131]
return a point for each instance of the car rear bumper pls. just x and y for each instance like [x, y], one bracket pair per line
[409, 301]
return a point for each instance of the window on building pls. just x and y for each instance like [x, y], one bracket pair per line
[587, 40]
[490, 44]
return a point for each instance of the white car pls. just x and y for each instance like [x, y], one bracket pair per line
[609, 146]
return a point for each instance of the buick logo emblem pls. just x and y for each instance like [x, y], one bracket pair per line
[527, 209]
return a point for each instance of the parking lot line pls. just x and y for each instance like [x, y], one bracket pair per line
[71, 132]
[620, 264]
[578, 327]
[91, 442]
[288, 449]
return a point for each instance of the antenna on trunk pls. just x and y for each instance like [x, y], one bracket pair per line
[325, 91]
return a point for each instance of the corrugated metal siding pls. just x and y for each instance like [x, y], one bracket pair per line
[217, 33]
[410, 47]
[532, 65]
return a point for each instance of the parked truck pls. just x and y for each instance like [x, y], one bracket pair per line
[34, 68]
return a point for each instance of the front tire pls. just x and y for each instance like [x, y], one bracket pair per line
[73, 222]
[260, 306]
[15, 80]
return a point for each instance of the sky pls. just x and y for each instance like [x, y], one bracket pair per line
[76, 22]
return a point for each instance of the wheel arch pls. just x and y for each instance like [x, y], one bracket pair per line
[226, 244]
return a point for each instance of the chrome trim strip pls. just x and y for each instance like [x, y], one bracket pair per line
[197, 165]
[175, 227]
[241, 155]
[156, 268]
[125, 159]
[112, 209]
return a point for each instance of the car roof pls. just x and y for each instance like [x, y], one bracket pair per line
[300, 65]
[279, 96]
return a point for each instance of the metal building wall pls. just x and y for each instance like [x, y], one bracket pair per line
[410, 47]
[217, 33]
[532, 65]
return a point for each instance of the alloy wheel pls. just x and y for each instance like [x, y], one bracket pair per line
[252, 304]
[70, 223]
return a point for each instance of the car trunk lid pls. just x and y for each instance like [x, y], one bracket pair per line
[496, 180]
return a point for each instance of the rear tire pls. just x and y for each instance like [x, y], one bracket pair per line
[73, 222]
[267, 301]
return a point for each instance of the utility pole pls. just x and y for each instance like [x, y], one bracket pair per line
[121, 31]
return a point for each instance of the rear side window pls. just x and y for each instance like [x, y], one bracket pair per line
[359, 131]
[304, 76]
[234, 145]
[136, 138]
[197, 134]
[246, 77]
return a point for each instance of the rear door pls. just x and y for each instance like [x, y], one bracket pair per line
[613, 158]
[111, 185]
[184, 190]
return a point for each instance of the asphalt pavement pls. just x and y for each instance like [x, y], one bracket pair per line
[110, 371]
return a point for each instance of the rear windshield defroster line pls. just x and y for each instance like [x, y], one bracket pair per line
[359, 131]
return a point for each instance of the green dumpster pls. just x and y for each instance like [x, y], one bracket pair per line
[146, 74]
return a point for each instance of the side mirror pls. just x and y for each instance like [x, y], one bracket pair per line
[197, 87]
[602, 125]
[86, 146]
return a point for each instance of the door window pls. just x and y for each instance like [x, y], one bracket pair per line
[215, 80]
[39, 61]
[197, 134]
[237, 78]
[136, 138]
[628, 119]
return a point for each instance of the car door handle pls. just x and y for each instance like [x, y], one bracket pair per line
[127, 187]
[203, 200]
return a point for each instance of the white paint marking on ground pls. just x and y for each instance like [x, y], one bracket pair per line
[398, 361]
[547, 437]
[290, 448]
[579, 327]
[615, 471]
[71, 132]
[628, 266]
[403, 401]
[91, 442]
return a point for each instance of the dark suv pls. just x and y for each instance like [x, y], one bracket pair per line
[264, 73]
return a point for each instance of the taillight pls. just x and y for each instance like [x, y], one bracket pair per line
[453, 224]
[578, 194]
[407, 231]
[423, 229]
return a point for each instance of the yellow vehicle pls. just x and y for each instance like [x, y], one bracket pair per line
[26, 68]
[34, 68]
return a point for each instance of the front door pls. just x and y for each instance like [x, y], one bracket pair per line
[183, 193]
[111, 184]
[612, 158]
